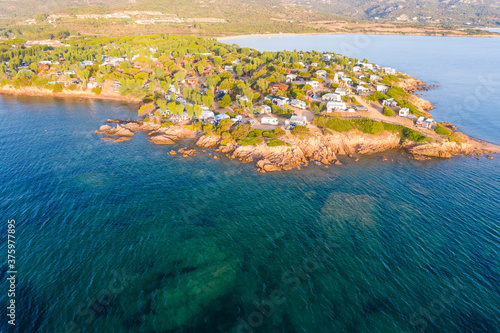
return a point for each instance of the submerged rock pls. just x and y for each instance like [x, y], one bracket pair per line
[186, 297]
[161, 140]
[187, 152]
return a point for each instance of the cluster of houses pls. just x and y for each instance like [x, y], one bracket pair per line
[424, 122]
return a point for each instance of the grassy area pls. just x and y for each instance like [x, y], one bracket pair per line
[275, 143]
[369, 126]
[401, 97]
[442, 130]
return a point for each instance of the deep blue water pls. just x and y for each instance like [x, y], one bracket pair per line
[123, 237]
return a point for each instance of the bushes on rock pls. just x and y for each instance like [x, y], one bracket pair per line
[57, 88]
[389, 112]
[275, 143]
[368, 126]
[442, 130]
[456, 137]
[300, 130]
[167, 124]
[250, 141]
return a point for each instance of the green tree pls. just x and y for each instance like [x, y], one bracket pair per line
[179, 76]
[190, 110]
[200, 69]
[125, 65]
[197, 111]
[263, 84]
[217, 61]
[238, 70]
[145, 109]
[389, 112]
[162, 104]
[225, 102]
[25, 73]
[85, 74]
[208, 101]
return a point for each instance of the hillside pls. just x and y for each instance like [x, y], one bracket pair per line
[207, 17]
[28, 18]
[472, 12]
[475, 12]
[231, 10]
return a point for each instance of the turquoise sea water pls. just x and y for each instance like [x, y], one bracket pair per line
[127, 238]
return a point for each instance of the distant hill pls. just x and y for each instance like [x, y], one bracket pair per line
[227, 9]
[476, 12]
[30, 8]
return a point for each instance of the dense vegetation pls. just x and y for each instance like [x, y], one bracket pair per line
[178, 78]
[368, 126]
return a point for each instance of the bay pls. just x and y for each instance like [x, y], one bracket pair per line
[127, 238]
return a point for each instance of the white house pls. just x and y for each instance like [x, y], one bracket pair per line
[280, 101]
[291, 77]
[335, 106]
[298, 120]
[346, 79]
[314, 84]
[269, 121]
[356, 69]
[382, 88]
[93, 85]
[321, 73]
[368, 66]
[327, 57]
[331, 97]
[342, 91]
[263, 109]
[427, 123]
[404, 112]
[374, 77]
[243, 98]
[221, 117]
[314, 64]
[206, 115]
[388, 70]
[228, 68]
[362, 89]
[298, 104]
[389, 102]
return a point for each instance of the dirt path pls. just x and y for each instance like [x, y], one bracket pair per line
[375, 114]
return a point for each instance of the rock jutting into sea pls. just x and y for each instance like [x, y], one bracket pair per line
[321, 148]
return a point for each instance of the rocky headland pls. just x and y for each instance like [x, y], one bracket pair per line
[298, 150]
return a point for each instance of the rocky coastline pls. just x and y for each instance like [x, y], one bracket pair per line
[320, 148]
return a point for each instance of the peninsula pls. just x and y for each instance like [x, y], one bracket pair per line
[279, 110]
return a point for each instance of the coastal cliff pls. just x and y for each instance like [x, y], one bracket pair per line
[297, 150]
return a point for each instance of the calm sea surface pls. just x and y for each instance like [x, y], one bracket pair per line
[123, 237]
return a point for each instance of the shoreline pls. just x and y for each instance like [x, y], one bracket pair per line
[36, 92]
[320, 147]
[225, 37]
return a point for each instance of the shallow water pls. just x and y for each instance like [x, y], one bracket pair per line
[127, 238]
